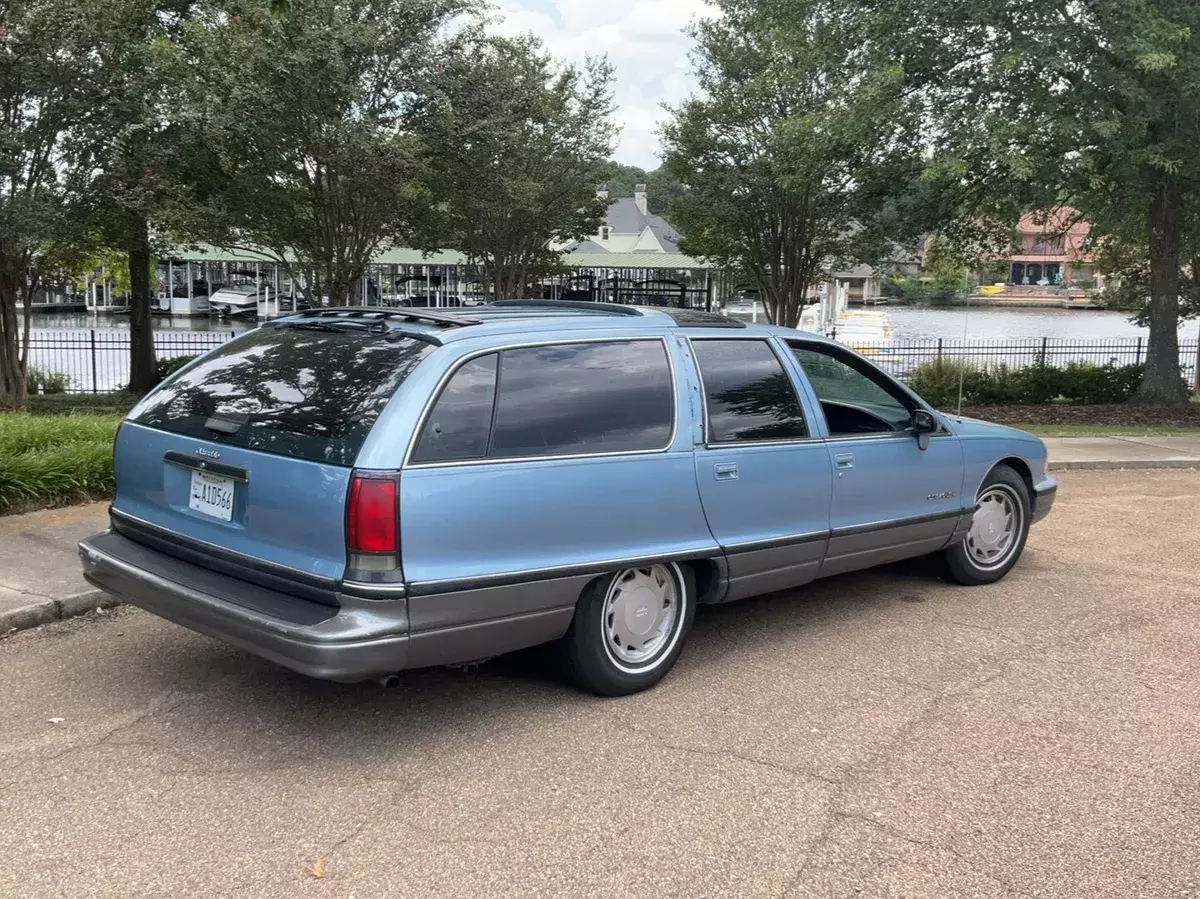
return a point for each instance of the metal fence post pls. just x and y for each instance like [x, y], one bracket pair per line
[95, 379]
[1138, 358]
[940, 347]
[1045, 342]
[1196, 373]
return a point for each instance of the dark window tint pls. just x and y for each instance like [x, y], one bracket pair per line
[458, 425]
[583, 398]
[748, 394]
[290, 391]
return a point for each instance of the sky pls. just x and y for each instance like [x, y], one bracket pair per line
[643, 40]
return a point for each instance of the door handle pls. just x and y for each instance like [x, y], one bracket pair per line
[725, 471]
[844, 461]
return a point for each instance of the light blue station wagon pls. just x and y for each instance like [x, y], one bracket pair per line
[354, 492]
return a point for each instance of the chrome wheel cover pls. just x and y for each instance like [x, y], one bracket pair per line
[641, 616]
[996, 528]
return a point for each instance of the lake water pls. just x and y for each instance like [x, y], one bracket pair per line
[996, 323]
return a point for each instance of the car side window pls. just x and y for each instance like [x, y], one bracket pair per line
[461, 420]
[747, 394]
[583, 398]
[855, 399]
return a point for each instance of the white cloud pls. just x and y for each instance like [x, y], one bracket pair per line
[643, 39]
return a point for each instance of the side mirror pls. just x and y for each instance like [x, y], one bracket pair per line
[924, 423]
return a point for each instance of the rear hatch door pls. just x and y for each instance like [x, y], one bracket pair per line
[244, 457]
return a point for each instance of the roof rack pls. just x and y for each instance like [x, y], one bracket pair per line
[380, 313]
[588, 305]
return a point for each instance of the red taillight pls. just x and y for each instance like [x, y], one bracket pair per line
[371, 518]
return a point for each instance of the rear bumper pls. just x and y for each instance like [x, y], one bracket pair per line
[1043, 497]
[358, 640]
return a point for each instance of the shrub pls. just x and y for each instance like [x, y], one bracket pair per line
[54, 460]
[170, 365]
[1078, 383]
[937, 380]
[39, 380]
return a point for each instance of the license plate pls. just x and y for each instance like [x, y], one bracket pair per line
[212, 495]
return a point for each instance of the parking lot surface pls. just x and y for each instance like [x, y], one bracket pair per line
[881, 734]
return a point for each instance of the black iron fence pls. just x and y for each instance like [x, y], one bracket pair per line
[900, 357]
[97, 361]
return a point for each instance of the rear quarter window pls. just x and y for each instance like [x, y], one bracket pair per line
[613, 396]
[293, 392]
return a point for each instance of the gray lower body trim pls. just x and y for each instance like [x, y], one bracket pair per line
[358, 640]
[1043, 501]
[757, 571]
[851, 549]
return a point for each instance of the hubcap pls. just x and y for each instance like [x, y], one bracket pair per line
[640, 614]
[995, 528]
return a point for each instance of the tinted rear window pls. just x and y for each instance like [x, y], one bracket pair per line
[609, 397]
[309, 394]
[559, 400]
[748, 395]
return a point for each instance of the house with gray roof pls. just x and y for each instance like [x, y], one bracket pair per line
[628, 227]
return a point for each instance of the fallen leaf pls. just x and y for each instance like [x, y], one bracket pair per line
[316, 869]
[57, 720]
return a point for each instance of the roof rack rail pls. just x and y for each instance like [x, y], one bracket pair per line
[588, 305]
[377, 312]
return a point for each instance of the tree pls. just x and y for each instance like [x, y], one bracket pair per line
[793, 148]
[1089, 105]
[307, 116]
[52, 78]
[661, 186]
[517, 143]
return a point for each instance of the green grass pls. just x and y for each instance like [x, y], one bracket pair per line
[81, 403]
[54, 460]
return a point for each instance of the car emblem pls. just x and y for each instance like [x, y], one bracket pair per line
[212, 454]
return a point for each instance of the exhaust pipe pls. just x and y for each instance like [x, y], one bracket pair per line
[390, 681]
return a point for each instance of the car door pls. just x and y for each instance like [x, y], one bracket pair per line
[764, 477]
[894, 496]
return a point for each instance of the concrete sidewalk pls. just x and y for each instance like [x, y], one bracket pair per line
[1123, 452]
[40, 578]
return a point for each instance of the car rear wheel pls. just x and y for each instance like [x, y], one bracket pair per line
[629, 629]
[998, 531]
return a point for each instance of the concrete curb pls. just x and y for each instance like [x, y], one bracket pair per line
[1121, 465]
[44, 611]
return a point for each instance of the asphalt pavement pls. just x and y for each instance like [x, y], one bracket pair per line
[882, 734]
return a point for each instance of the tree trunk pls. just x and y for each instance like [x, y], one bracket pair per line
[1162, 384]
[12, 373]
[143, 367]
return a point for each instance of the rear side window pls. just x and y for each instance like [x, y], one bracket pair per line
[290, 391]
[556, 400]
[461, 419]
[748, 395]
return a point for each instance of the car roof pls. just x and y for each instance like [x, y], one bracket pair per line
[506, 317]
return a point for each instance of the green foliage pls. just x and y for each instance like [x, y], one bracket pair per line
[517, 143]
[1090, 105]
[795, 148]
[1080, 383]
[308, 123]
[54, 460]
[170, 365]
[39, 380]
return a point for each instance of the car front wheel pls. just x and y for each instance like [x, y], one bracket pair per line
[629, 629]
[998, 530]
